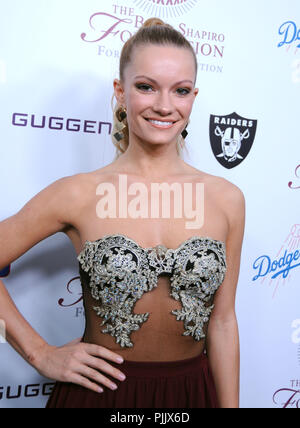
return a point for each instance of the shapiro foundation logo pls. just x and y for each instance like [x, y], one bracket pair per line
[295, 184]
[231, 138]
[165, 8]
[110, 30]
[74, 297]
[289, 395]
[279, 269]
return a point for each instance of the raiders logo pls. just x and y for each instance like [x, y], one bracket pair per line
[231, 138]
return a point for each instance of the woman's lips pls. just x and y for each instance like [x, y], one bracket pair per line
[160, 124]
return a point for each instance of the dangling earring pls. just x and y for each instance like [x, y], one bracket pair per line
[121, 115]
[184, 133]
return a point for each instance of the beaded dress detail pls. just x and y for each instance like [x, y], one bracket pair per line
[118, 272]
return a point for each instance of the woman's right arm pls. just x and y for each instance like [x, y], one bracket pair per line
[48, 212]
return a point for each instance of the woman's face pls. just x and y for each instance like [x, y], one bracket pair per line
[158, 92]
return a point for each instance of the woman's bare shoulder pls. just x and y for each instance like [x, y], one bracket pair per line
[226, 189]
[75, 184]
[228, 195]
[65, 197]
[79, 185]
[230, 198]
[218, 183]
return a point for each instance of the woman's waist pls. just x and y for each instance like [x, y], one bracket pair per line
[149, 346]
[143, 362]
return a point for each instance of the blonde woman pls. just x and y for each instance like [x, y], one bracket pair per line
[161, 329]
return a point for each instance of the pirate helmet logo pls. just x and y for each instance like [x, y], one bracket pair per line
[231, 138]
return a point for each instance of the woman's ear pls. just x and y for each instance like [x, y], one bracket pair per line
[119, 91]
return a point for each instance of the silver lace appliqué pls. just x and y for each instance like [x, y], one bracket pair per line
[121, 271]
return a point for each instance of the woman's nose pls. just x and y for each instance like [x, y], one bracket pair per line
[163, 104]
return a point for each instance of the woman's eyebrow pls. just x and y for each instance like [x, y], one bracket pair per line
[154, 81]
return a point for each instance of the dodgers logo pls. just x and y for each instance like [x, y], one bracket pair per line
[286, 262]
[231, 138]
[290, 33]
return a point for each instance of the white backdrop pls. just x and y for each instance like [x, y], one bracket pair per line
[57, 63]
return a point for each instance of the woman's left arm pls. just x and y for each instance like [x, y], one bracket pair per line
[222, 336]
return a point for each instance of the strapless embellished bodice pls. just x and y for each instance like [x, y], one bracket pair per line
[118, 272]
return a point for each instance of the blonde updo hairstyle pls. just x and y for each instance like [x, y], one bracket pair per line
[154, 31]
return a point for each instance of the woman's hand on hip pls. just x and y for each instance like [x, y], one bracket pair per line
[80, 363]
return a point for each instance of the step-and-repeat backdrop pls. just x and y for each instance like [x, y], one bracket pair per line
[57, 64]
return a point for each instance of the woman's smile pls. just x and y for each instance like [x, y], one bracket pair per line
[160, 124]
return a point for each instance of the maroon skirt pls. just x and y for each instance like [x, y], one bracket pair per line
[169, 384]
